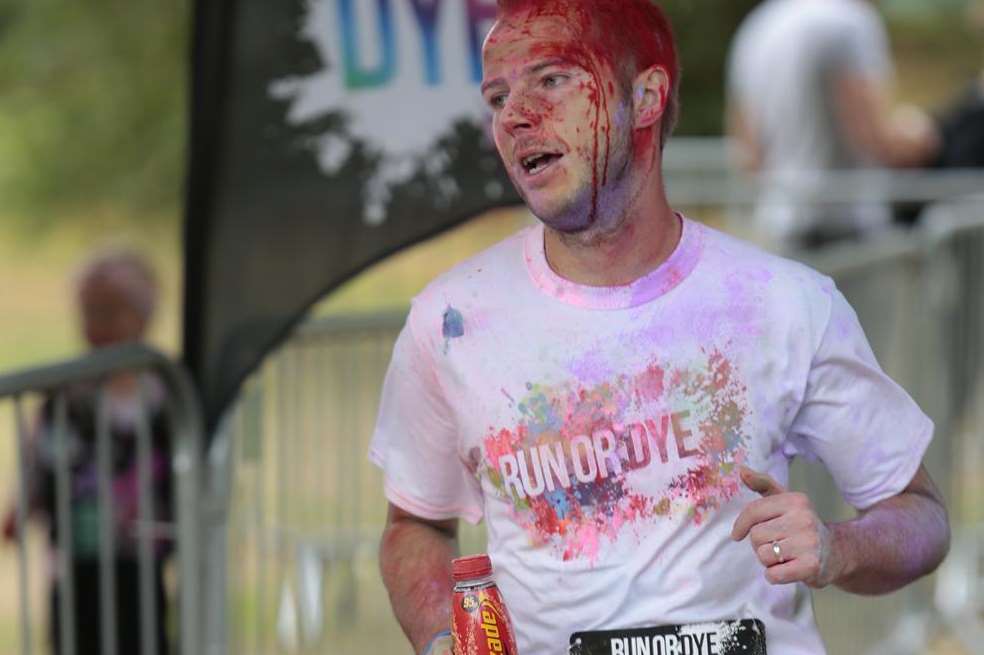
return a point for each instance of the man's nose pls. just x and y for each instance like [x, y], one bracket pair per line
[519, 115]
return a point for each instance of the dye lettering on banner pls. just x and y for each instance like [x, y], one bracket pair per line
[422, 56]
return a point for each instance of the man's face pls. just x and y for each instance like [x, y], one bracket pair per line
[561, 121]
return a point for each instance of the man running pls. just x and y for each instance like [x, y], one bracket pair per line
[619, 390]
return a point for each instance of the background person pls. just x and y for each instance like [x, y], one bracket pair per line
[116, 293]
[809, 93]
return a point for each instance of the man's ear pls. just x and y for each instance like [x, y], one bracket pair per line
[650, 95]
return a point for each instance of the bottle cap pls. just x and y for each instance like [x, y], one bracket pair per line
[471, 568]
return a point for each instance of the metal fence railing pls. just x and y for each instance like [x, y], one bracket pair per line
[51, 445]
[305, 508]
[700, 173]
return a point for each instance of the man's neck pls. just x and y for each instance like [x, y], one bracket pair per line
[641, 243]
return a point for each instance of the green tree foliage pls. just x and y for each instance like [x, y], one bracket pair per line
[92, 106]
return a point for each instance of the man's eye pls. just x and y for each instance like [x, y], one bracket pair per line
[553, 81]
[498, 101]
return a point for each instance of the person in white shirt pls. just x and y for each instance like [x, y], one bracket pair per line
[809, 93]
[619, 390]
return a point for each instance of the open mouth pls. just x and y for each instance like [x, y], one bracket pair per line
[536, 164]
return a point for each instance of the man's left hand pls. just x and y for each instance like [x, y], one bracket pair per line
[786, 533]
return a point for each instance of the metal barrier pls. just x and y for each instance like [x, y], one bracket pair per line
[182, 413]
[306, 508]
[700, 172]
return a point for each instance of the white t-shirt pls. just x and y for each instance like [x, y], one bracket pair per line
[783, 64]
[724, 355]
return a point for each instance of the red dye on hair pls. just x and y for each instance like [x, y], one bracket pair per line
[621, 32]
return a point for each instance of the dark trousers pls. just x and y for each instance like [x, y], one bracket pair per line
[88, 607]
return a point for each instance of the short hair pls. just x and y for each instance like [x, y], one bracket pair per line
[129, 271]
[632, 35]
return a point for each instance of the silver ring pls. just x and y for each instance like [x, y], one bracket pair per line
[778, 551]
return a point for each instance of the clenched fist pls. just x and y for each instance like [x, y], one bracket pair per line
[788, 537]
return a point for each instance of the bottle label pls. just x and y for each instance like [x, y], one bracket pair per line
[480, 624]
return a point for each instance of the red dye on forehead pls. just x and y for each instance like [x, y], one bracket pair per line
[634, 33]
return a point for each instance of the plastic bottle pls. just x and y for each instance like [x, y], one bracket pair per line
[480, 623]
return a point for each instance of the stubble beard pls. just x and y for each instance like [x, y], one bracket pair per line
[587, 219]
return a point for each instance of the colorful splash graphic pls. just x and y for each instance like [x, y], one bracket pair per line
[579, 467]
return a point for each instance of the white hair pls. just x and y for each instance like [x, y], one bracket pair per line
[127, 270]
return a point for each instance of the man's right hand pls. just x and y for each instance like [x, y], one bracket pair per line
[917, 128]
[443, 644]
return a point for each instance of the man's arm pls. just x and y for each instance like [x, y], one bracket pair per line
[901, 137]
[415, 559]
[884, 548]
[893, 542]
[747, 149]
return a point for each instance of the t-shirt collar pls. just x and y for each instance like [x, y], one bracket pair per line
[654, 284]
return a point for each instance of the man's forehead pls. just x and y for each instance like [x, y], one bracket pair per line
[529, 29]
[531, 36]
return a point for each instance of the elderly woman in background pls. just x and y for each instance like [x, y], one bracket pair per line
[116, 293]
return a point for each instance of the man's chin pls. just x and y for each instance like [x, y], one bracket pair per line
[566, 223]
[564, 217]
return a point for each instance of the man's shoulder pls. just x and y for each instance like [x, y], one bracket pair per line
[773, 14]
[790, 27]
[797, 17]
[729, 256]
[859, 16]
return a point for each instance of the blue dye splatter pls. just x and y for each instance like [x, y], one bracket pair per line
[541, 413]
[454, 326]
[558, 500]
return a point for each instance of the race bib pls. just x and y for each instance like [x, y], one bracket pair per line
[744, 637]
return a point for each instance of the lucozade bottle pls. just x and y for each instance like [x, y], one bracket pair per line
[480, 623]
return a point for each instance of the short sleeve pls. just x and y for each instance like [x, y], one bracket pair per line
[734, 82]
[863, 426]
[415, 441]
[861, 46]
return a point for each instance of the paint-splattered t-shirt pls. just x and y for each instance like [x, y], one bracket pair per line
[598, 431]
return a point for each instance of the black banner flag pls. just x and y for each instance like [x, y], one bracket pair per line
[326, 135]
